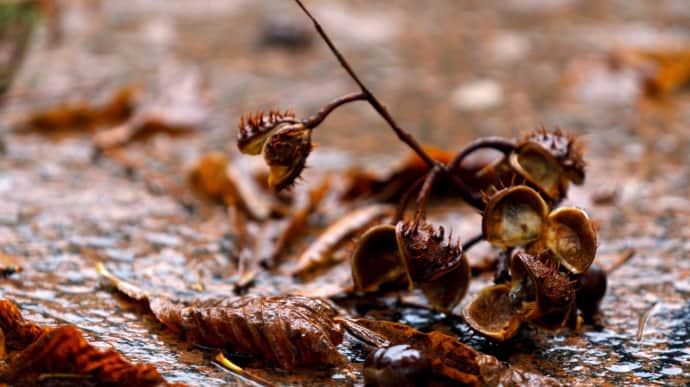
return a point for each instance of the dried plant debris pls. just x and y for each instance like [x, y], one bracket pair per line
[8, 265]
[216, 177]
[449, 361]
[38, 356]
[180, 106]
[82, 115]
[319, 253]
[285, 331]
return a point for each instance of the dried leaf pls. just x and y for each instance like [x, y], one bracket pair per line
[180, 108]
[83, 115]
[392, 185]
[61, 356]
[214, 176]
[319, 253]
[286, 331]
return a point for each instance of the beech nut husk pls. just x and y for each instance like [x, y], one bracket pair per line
[492, 313]
[376, 260]
[539, 292]
[514, 217]
[286, 152]
[570, 236]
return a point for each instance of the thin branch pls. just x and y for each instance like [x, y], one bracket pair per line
[498, 143]
[317, 118]
[472, 241]
[375, 103]
[424, 193]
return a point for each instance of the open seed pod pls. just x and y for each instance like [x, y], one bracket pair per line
[286, 152]
[539, 292]
[446, 291]
[434, 263]
[571, 238]
[427, 253]
[376, 260]
[539, 169]
[254, 129]
[566, 149]
[514, 217]
[492, 313]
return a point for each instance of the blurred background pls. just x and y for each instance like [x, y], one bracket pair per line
[615, 72]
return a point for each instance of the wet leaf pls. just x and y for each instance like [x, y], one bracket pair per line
[285, 331]
[61, 356]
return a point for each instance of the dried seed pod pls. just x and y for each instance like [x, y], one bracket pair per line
[427, 252]
[591, 289]
[433, 262]
[254, 129]
[539, 292]
[541, 170]
[446, 291]
[492, 313]
[564, 148]
[397, 366]
[376, 260]
[514, 216]
[286, 153]
[570, 236]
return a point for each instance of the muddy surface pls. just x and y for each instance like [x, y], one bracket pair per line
[448, 72]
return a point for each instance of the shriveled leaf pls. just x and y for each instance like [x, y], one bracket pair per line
[285, 331]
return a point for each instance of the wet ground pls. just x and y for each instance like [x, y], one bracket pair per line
[448, 72]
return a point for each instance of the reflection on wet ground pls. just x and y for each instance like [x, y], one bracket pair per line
[449, 73]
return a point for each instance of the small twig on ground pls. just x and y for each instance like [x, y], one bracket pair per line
[644, 318]
[624, 257]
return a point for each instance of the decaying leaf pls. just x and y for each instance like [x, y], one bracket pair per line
[82, 115]
[285, 331]
[18, 333]
[214, 176]
[61, 356]
[319, 253]
[180, 107]
[392, 185]
[452, 361]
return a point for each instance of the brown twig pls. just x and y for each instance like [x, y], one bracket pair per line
[498, 143]
[370, 97]
[317, 118]
[424, 193]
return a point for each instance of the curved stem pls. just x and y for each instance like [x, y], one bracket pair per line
[472, 241]
[373, 101]
[317, 118]
[424, 193]
[402, 206]
[498, 143]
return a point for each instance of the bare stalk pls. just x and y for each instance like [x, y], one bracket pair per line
[370, 97]
[317, 118]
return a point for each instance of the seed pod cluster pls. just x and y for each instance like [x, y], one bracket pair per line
[551, 251]
[420, 255]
